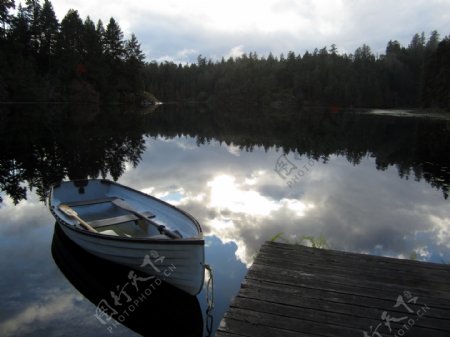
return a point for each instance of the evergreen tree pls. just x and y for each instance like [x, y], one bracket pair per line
[417, 42]
[393, 48]
[72, 33]
[433, 42]
[33, 11]
[20, 34]
[134, 65]
[333, 49]
[5, 17]
[70, 47]
[92, 55]
[436, 85]
[364, 54]
[49, 34]
[91, 40]
[100, 30]
[113, 41]
[133, 52]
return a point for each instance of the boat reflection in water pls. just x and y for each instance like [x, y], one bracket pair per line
[125, 296]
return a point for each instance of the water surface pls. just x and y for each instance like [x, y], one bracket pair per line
[364, 181]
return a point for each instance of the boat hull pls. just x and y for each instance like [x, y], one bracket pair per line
[147, 313]
[179, 262]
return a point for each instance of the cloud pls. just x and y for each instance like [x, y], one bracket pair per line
[19, 218]
[214, 28]
[36, 313]
[236, 52]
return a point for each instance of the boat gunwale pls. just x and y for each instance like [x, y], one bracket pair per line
[184, 241]
[59, 220]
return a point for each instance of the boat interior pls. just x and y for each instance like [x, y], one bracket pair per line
[107, 218]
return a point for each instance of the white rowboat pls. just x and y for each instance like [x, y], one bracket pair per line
[131, 228]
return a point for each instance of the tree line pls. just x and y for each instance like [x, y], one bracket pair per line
[416, 147]
[104, 138]
[101, 141]
[404, 77]
[42, 59]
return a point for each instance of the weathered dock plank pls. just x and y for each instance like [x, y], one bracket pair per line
[293, 290]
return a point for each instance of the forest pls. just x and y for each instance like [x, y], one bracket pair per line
[42, 59]
[415, 76]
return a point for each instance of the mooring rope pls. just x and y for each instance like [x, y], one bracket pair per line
[209, 300]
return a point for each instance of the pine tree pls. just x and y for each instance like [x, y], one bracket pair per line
[433, 42]
[33, 10]
[364, 53]
[133, 52]
[100, 30]
[113, 41]
[92, 54]
[70, 45]
[71, 33]
[5, 17]
[393, 48]
[49, 32]
[20, 33]
[436, 84]
[333, 49]
[134, 63]
[91, 40]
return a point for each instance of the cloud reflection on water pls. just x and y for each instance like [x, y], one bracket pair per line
[241, 199]
[241, 202]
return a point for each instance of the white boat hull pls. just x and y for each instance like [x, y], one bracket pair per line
[179, 262]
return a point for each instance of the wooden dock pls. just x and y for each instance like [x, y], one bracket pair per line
[293, 290]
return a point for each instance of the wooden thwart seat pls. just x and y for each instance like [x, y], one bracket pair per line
[118, 219]
[107, 221]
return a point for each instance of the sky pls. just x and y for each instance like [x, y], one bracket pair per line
[179, 30]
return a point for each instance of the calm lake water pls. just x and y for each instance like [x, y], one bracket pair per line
[374, 182]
